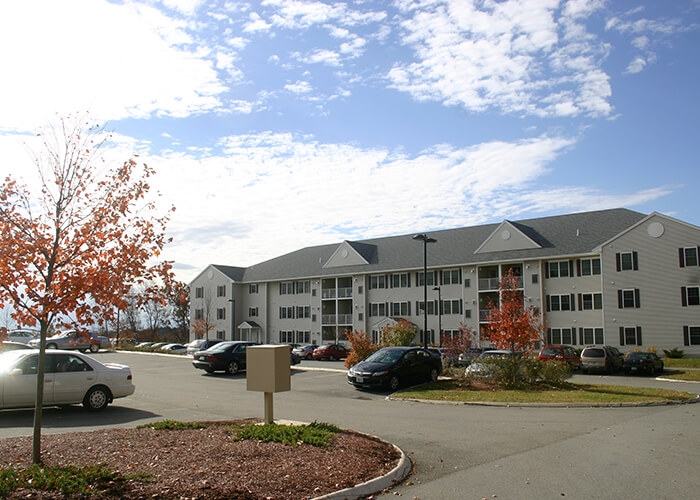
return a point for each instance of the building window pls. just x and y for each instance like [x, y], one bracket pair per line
[287, 288]
[628, 298]
[220, 313]
[630, 335]
[220, 335]
[451, 277]
[286, 337]
[253, 288]
[431, 307]
[253, 312]
[691, 335]
[590, 336]
[467, 313]
[199, 314]
[467, 282]
[286, 312]
[377, 309]
[400, 308]
[377, 281]
[430, 278]
[199, 292]
[627, 261]
[561, 336]
[303, 311]
[535, 279]
[590, 301]
[690, 296]
[303, 287]
[400, 280]
[452, 306]
[589, 267]
[558, 269]
[689, 256]
[360, 317]
[560, 302]
[221, 291]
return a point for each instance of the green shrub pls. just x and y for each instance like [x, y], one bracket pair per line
[171, 425]
[70, 480]
[316, 434]
[674, 353]
[555, 372]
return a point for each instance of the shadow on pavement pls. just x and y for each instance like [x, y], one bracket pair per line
[73, 416]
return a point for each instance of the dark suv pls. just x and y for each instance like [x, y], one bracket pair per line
[601, 358]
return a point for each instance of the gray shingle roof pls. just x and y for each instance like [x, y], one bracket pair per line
[557, 236]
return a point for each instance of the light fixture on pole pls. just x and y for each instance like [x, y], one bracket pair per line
[425, 239]
[439, 291]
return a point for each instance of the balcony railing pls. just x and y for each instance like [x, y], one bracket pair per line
[328, 319]
[345, 293]
[336, 319]
[328, 293]
[492, 283]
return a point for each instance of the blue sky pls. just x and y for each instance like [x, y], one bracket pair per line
[282, 124]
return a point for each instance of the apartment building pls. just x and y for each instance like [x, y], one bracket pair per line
[616, 277]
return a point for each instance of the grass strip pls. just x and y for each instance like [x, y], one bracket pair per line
[449, 390]
[316, 434]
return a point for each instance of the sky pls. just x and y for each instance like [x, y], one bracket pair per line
[280, 124]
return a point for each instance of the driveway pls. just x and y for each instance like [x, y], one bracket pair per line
[459, 451]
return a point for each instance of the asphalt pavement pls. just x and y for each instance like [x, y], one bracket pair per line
[458, 451]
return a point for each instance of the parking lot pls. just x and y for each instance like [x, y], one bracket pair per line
[459, 451]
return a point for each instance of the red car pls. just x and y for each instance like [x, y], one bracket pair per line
[330, 352]
[561, 353]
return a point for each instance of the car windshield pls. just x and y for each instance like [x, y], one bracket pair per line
[8, 359]
[638, 355]
[550, 351]
[219, 347]
[594, 353]
[387, 356]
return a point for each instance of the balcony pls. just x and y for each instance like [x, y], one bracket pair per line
[486, 284]
[345, 293]
[336, 319]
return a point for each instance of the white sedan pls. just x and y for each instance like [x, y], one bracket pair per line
[70, 378]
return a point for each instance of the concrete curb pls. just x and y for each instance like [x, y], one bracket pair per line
[550, 405]
[376, 485]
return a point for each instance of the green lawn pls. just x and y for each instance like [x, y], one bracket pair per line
[448, 390]
[682, 362]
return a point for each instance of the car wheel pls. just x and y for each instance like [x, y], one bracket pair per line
[232, 368]
[96, 398]
[331, 358]
[309, 356]
[393, 382]
[51, 346]
[94, 347]
[433, 375]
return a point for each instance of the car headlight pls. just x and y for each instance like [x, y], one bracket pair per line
[380, 374]
[351, 372]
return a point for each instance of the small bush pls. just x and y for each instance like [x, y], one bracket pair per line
[316, 434]
[361, 347]
[70, 480]
[674, 353]
[171, 425]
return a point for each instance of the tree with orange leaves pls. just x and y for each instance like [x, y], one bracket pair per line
[76, 247]
[511, 325]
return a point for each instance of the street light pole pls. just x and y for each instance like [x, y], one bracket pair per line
[439, 291]
[425, 239]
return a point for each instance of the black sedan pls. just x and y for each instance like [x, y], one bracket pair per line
[393, 366]
[642, 362]
[227, 356]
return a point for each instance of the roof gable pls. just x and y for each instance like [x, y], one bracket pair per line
[507, 237]
[347, 255]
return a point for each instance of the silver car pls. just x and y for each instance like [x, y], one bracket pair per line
[74, 339]
[70, 378]
[603, 358]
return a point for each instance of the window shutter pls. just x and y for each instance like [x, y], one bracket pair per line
[686, 335]
[573, 302]
[578, 267]
[681, 259]
[622, 335]
[546, 270]
[618, 261]
[549, 307]
[580, 302]
[409, 307]
[571, 268]
[636, 298]
[581, 339]
[639, 335]
[684, 299]
[619, 299]
[635, 261]
[408, 277]
[549, 335]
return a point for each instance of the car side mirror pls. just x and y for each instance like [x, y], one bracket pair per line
[16, 371]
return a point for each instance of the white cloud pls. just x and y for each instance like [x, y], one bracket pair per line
[62, 64]
[492, 56]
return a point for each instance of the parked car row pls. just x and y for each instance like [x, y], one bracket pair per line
[328, 352]
[604, 358]
[391, 367]
[74, 339]
[228, 356]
